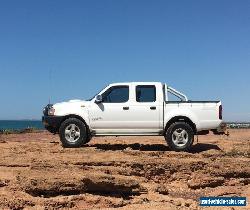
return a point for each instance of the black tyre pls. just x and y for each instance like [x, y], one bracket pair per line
[73, 133]
[180, 136]
[89, 137]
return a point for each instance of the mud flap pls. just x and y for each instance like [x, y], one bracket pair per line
[221, 130]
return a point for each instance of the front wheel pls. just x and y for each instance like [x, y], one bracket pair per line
[180, 136]
[73, 133]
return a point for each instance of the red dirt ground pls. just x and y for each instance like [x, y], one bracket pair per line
[121, 172]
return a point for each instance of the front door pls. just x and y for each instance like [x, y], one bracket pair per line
[111, 115]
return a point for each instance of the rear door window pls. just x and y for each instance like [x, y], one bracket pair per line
[145, 93]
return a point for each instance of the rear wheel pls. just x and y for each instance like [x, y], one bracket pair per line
[73, 133]
[180, 136]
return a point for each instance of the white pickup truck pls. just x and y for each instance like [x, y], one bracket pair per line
[135, 108]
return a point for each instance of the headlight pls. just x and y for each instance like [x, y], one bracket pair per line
[51, 111]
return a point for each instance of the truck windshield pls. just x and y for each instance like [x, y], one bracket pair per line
[96, 94]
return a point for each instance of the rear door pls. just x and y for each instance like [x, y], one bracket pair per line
[145, 109]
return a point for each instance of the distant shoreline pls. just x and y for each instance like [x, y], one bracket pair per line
[21, 124]
[22, 120]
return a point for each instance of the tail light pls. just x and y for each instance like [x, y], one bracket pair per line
[220, 112]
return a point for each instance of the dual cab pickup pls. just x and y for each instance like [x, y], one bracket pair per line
[136, 108]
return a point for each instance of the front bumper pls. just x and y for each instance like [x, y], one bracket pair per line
[52, 123]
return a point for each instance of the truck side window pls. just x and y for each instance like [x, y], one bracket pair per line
[116, 94]
[145, 93]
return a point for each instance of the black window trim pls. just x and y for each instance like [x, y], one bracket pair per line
[137, 86]
[115, 86]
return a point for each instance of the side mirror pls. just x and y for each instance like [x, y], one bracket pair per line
[98, 99]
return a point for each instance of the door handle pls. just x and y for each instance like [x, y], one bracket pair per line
[125, 108]
[153, 108]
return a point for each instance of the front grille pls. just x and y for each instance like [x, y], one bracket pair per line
[45, 111]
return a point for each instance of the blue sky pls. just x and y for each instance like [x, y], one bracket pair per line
[71, 49]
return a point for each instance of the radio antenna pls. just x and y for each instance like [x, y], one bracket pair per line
[50, 84]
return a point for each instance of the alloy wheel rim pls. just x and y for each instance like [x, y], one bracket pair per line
[180, 137]
[72, 133]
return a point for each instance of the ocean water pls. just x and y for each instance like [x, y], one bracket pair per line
[20, 124]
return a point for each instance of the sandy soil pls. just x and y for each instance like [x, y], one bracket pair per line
[121, 172]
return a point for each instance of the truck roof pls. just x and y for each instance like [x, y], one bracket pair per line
[137, 83]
